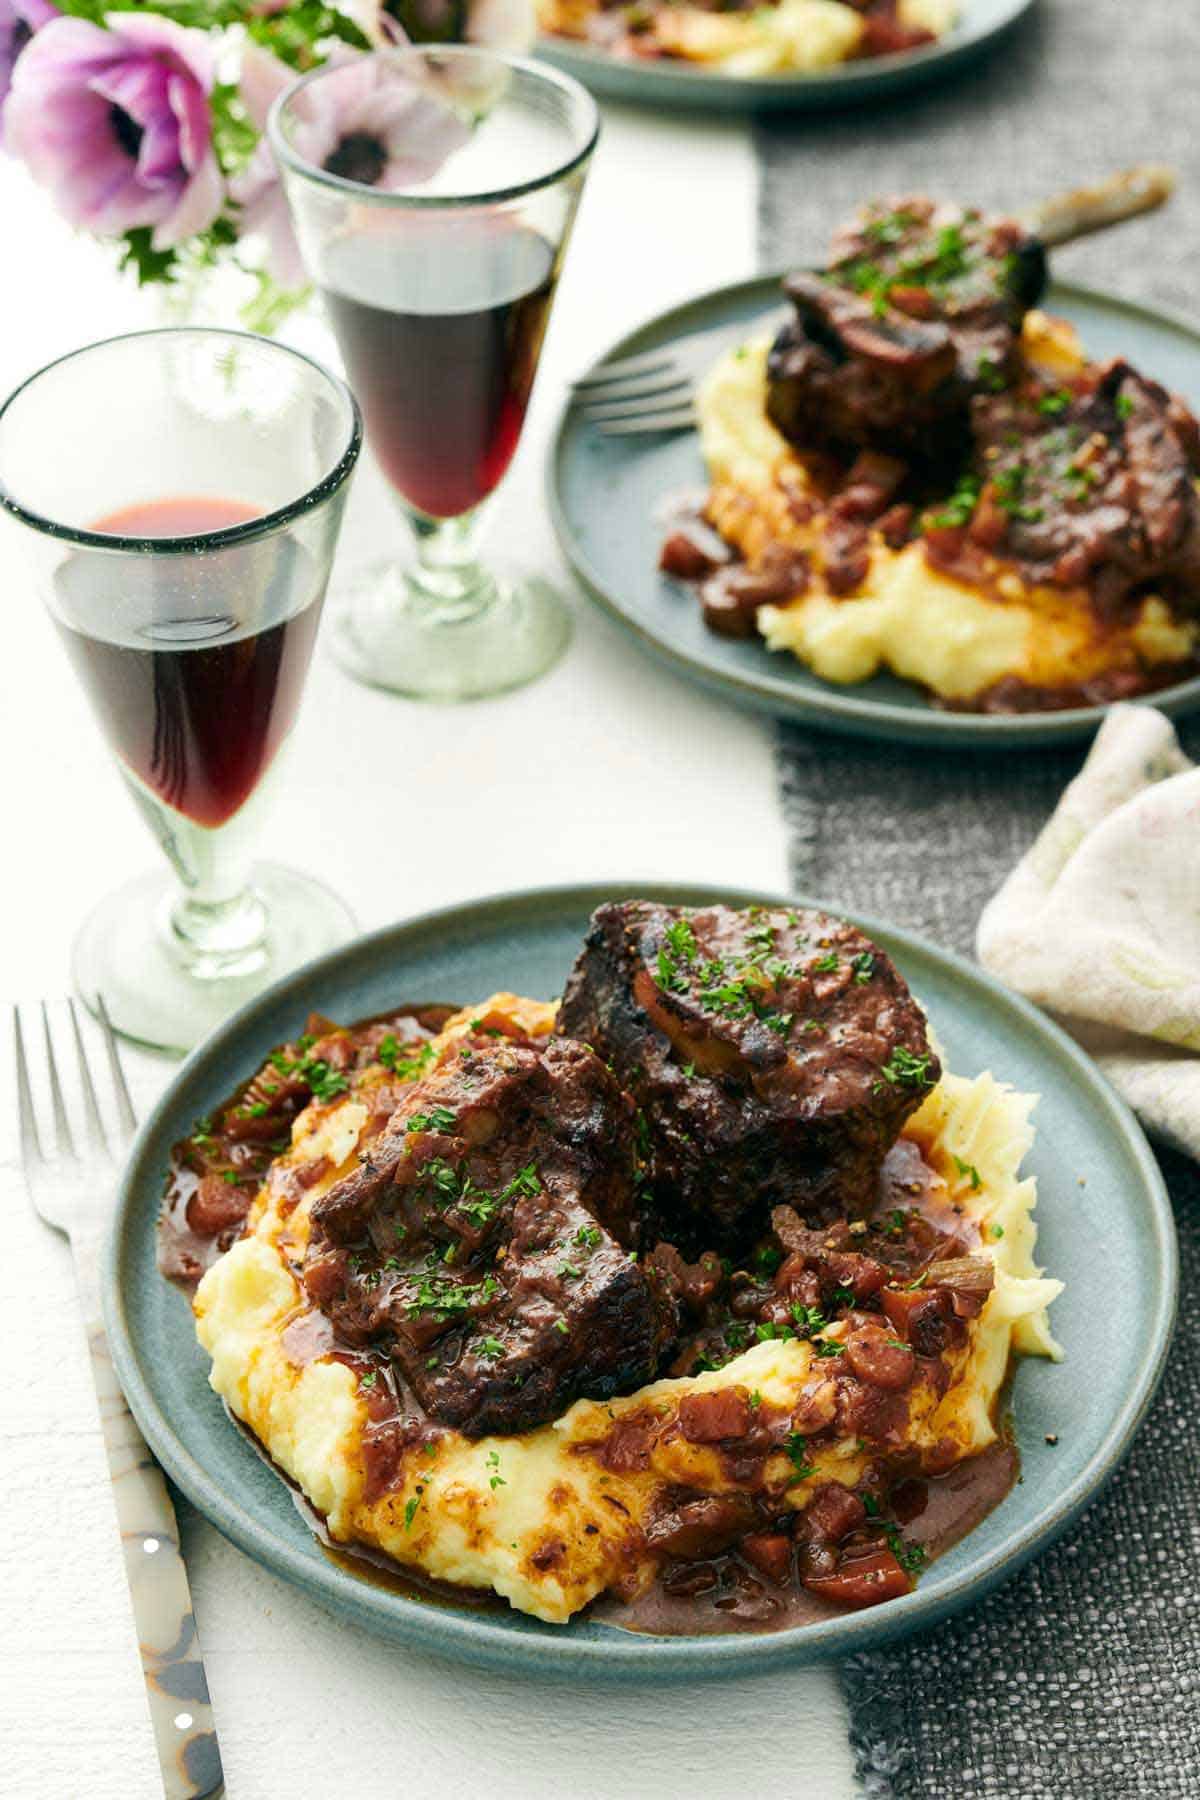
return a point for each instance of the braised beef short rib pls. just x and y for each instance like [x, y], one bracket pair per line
[485, 1241]
[917, 310]
[774, 1055]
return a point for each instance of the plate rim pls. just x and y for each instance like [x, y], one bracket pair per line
[834, 708]
[473, 1638]
[842, 83]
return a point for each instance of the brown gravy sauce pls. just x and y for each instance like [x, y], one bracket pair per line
[950, 1506]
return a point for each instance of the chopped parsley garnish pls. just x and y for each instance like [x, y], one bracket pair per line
[827, 1347]
[767, 1259]
[796, 1448]
[525, 1181]
[391, 1053]
[863, 965]
[441, 1299]
[825, 965]
[997, 1231]
[731, 998]
[491, 1347]
[755, 1400]
[908, 1070]
[439, 1118]
[1009, 486]
[681, 940]
[968, 1171]
[410, 1509]
[561, 1325]
[911, 1557]
[989, 374]
[588, 1235]
[957, 510]
[1123, 404]
[495, 1480]
[810, 1320]
[1051, 404]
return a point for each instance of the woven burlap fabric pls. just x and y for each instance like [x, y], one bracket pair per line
[1080, 1680]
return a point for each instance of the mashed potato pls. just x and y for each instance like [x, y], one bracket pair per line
[542, 1518]
[955, 639]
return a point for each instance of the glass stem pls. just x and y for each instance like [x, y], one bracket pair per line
[448, 577]
[215, 923]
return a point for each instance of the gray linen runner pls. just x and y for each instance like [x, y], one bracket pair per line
[1080, 1680]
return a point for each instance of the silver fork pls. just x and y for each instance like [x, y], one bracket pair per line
[72, 1190]
[654, 391]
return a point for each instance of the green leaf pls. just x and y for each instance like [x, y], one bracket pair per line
[149, 265]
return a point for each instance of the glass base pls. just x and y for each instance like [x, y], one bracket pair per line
[124, 952]
[386, 633]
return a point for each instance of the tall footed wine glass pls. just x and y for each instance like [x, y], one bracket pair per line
[184, 491]
[433, 192]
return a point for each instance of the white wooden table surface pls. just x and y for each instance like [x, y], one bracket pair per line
[607, 767]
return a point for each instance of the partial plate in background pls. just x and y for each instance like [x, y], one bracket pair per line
[663, 82]
[605, 492]
[1115, 1332]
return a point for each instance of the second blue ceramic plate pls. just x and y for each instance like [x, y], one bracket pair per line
[604, 494]
[1101, 1208]
[675, 85]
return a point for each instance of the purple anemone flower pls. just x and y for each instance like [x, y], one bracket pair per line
[19, 19]
[116, 123]
[363, 121]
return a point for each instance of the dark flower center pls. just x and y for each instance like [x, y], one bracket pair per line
[18, 38]
[430, 21]
[357, 158]
[126, 130]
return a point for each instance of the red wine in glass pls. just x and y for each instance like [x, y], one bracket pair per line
[441, 326]
[195, 667]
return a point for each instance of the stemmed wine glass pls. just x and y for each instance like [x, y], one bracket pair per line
[185, 566]
[433, 192]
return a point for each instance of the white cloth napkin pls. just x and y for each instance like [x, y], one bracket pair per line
[1100, 921]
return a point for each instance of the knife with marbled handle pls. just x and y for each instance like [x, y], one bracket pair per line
[71, 1189]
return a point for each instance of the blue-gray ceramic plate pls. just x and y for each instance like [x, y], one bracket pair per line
[1115, 1333]
[604, 493]
[665, 83]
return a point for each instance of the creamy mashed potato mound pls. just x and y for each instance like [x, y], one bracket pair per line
[538, 1517]
[925, 626]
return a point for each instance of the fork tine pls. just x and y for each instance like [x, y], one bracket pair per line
[681, 419]
[62, 1124]
[623, 366]
[643, 386]
[602, 412]
[95, 1124]
[31, 1148]
[125, 1110]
